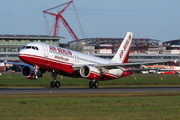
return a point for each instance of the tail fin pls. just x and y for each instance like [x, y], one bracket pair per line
[123, 52]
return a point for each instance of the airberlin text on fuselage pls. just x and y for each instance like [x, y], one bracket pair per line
[125, 46]
[60, 50]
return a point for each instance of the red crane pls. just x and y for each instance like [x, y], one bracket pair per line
[59, 18]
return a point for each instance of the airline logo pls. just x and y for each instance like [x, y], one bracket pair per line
[125, 47]
[60, 50]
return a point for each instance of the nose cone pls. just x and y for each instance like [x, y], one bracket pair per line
[21, 54]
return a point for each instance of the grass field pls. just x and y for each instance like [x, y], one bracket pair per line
[104, 106]
[132, 80]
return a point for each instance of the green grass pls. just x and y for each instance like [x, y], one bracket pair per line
[18, 80]
[106, 106]
[132, 80]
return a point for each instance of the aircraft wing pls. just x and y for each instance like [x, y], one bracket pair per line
[129, 65]
[122, 66]
[18, 64]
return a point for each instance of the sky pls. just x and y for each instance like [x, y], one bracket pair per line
[153, 19]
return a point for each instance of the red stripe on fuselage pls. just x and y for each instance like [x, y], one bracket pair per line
[47, 63]
[110, 76]
[126, 73]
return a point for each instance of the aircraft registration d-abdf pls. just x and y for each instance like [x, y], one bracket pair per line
[40, 57]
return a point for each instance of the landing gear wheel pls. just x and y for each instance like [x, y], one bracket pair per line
[52, 84]
[91, 84]
[57, 84]
[35, 77]
[96, 84]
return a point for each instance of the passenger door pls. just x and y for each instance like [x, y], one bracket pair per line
[46, 52]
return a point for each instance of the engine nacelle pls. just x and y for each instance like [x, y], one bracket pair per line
[29, 72]
[89, 72]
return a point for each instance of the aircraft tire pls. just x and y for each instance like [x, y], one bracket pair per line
[57, 84]
[35, 77]
[96, 84]
[52, 84]
[91, 84]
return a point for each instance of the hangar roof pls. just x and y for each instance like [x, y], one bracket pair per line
[172, 42]
[29, 37]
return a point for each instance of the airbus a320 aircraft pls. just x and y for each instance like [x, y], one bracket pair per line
[41, 57]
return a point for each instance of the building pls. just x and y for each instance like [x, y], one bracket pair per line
[171, 47]
[139, 45]
[11, 44]
[142, 49]
[88, 49]
[143, 57]
[97, 49]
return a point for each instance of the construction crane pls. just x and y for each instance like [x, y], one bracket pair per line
[59, 18]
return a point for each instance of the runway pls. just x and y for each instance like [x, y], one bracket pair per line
[87, 90]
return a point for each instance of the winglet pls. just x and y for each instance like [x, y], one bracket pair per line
[123, 52]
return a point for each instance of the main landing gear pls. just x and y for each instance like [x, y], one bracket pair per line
[94, 84]
[57, 84]
[54, 83]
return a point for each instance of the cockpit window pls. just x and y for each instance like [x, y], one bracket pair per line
[30, 47]
[33, 47]
[36, 48]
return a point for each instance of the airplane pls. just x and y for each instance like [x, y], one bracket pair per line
[40, 57]
[162, 69]
[2, 65]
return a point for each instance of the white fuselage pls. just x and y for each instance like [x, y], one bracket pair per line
[62, 60]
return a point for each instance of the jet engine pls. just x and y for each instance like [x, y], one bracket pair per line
[29, 72]
[89, 72]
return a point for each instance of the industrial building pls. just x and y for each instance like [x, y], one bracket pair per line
[11, 44]
[138, 45]
[142, 49]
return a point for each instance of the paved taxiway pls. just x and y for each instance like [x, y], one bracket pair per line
[87, 90]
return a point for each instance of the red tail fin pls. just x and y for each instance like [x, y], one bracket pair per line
[122, 54]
